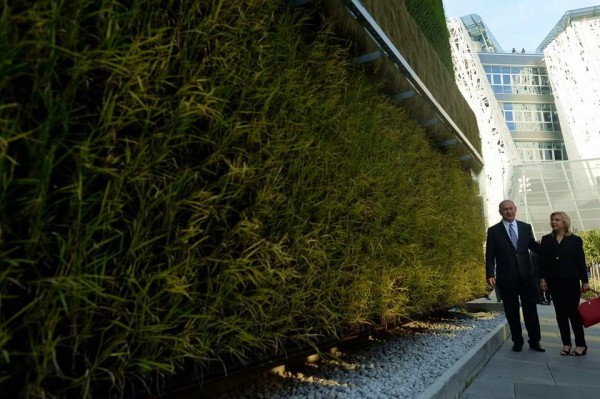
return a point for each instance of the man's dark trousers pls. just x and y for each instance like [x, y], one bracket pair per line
[510, 299]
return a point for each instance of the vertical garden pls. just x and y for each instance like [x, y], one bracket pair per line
[190, 183]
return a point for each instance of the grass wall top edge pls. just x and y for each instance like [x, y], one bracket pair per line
[394, 19]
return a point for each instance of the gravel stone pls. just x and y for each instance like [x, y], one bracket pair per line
[399, 365]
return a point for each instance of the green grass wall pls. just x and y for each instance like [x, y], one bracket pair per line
[187, 183]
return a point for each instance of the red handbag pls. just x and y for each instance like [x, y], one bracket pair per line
[590, 311]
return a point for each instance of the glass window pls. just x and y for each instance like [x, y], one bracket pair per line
[508, 115]
[541, 151]
[525, 80]
[497, 89]
[533, 117]
[558, 155]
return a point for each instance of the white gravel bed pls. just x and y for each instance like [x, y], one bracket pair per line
[401, 364]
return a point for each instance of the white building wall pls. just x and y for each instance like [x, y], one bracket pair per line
[573, 62]
[497, 147]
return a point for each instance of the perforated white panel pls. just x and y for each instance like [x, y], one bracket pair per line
[498, 149]
[573, 61]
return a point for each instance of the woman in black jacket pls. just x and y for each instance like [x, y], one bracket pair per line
[563, 272]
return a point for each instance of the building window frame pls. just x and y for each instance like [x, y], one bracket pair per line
[518, 79]
[537, 117]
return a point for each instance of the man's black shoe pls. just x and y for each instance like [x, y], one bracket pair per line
[517, 347]
[537, 347]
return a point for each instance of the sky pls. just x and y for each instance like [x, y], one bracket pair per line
[517, 23]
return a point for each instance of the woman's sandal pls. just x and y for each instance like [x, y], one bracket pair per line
[582, 353]
[566, 352]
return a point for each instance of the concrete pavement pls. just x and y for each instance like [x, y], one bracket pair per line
[529, 374]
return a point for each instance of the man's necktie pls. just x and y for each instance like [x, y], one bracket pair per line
[513, 235]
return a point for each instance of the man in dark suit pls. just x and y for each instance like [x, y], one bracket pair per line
[508, 265]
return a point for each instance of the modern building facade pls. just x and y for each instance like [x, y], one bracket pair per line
[538, 116]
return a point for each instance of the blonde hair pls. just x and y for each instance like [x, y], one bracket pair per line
[566, 219]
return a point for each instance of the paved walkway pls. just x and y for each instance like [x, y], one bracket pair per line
[531, 375]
